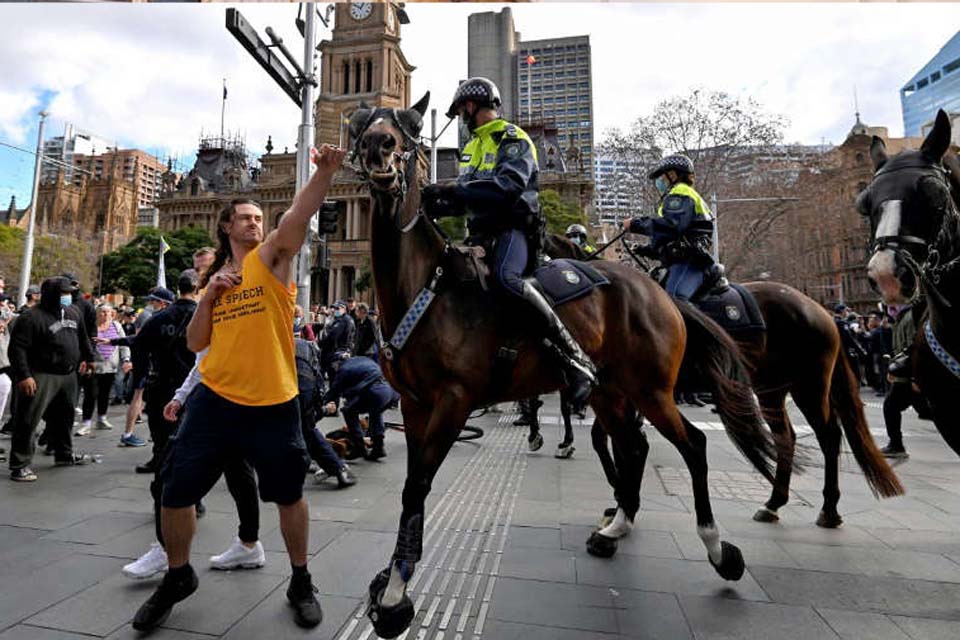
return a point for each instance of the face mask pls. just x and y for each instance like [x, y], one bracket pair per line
[337, 313]
[661, 184]
[469, 121]
[66, 300]
[298, 324]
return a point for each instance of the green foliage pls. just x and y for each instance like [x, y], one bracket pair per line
[559, 213]
[52, 255]
[364, 277]
[133, 267]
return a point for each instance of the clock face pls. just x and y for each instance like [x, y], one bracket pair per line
[361, 10]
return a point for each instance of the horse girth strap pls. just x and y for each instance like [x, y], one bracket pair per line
[413, 316]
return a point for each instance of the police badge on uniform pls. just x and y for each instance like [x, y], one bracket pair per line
[571, 276]
[733, 313]
[512, 150]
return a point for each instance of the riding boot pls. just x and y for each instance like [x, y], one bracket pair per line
[580, 372]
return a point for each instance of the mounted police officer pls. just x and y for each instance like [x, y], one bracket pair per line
[577, 234]
[681, 232]
[498, 190]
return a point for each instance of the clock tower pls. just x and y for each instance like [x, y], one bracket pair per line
[362, 61]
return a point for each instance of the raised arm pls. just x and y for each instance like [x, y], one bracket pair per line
[284, 241]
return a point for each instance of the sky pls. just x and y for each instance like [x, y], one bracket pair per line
[150, 75]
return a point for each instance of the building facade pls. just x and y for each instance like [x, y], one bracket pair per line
[492, 53]
[935, 86]
[137, 166]
[63, 148]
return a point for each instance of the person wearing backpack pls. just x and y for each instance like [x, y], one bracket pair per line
[310, 387]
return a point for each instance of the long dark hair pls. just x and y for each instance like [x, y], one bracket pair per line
[223, 252]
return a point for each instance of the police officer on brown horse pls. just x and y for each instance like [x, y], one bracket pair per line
[498, 190]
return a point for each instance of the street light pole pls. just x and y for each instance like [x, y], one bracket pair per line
[305, 140]
[27, 261]
[433, 146]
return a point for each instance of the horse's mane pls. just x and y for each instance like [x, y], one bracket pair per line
[948, 240]
[558, 246]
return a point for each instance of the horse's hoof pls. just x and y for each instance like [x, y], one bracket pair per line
[764, 514]
[601, 546]
[829, 520]
[388, 622]
[607, 517]
[534, 443]
[731, 562]
[564, 451]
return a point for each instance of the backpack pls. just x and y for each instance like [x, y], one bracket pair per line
[309, 377]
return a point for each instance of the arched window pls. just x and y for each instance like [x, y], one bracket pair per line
[369, 75]
[356, 79]
[346, 77]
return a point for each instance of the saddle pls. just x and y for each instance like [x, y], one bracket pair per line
[467, 264]
[732, 307]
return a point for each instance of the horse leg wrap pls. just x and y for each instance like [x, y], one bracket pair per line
[400, 574]
[409, 540]
[711, 540]
[620, 526]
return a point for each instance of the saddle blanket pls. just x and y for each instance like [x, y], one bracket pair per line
[733, 308]
[563, 280]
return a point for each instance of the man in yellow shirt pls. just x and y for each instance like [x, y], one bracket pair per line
[246, 404]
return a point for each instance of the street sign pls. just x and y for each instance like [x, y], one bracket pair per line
[244, 32]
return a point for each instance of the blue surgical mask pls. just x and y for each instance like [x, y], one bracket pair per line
[337, 313]
[66, 300]
[298, 323]
[661, 184]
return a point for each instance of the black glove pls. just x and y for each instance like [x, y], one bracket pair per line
[440, 201]
[646, 251]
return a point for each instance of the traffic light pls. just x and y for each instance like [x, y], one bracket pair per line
[329, 213]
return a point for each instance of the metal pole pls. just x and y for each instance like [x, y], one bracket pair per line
[716, 228]
[433, 146]
[305, 140]
[27, 261]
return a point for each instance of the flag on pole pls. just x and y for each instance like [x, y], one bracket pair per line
[224, 88]
[161, 268]
[531, 59]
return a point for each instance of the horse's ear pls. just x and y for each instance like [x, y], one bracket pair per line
[878, 152]
[938, 140]
[358, 118]
[421, 106]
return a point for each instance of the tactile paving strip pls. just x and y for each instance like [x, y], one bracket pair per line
[464, 537]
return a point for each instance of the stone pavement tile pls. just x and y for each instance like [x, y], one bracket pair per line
[384, 515]
[99, 528]
[755, 552]
[639, 542]
[321, 534]
[852, 625]
[878, 561]
[541, 537]
[645, 615]
[48, 585]
[665, 575]
[127, 493]
[273, 619]
[43, 510]
[536, 513]
[554, 604]
[99, 609]
[499, 630]
[23, 558]
[333, 513]
[713, 618]
[346, 566]
[26, 632]
[929, 541]
[551, 565]
[861, 593]
[927, 629]
[127, 632]
[221, 600]
[790, 531]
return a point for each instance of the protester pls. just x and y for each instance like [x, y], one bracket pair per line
[48, 347]
[109, 360]
[246, 404]
[339, 338]
[5, 382]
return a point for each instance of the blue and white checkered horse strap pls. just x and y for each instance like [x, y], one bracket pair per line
[945, 358]
[411, 318]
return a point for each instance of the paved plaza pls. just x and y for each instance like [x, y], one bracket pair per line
[504, 549]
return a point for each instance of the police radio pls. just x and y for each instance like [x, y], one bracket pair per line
[329, 212]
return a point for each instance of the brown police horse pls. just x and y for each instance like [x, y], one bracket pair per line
[447, 367]
[800, 354]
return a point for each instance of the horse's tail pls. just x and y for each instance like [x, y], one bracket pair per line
[713, 359]
[845, 400]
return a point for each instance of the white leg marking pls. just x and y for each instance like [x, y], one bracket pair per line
[711, 540]
[618, 527]
[393, 594]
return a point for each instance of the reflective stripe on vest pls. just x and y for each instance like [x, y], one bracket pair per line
[683, 189]
[479, 156]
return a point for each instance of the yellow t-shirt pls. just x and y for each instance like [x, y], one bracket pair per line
[251, 359]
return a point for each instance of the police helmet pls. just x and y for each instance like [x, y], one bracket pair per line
[675, 162]
[576, 230]
[479, 90]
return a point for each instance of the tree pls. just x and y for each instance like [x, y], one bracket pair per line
[133, 267]
[52, 255]
[559, 213]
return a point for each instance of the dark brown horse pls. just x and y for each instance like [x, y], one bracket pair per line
[800, 354]
[916, 249]
[448, 365]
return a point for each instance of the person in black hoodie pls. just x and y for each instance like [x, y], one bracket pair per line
[49, 345]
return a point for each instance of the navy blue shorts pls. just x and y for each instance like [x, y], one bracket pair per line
[213, 429]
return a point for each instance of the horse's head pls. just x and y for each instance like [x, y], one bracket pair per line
[906, 202]
[385, 143]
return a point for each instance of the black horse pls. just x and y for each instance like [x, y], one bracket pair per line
[912, 204]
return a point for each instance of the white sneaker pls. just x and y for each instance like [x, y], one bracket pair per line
[320, 476]
[149, 564]
[239, 557]
[84, 430]
[103, 423]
